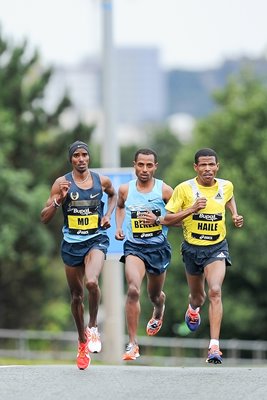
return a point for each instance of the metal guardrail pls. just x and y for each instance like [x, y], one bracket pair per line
[46, 345]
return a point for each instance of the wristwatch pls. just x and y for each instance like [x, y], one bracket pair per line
[157, 221]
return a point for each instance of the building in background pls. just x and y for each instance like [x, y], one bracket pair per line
[145, 94]
[82, 83]
[139, 87]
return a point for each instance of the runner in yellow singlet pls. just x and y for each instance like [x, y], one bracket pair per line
[200, 204]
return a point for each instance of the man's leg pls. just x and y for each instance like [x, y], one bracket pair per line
[75, 277]
[155, 285]
[94, 262]
[197, 293]
[196, 300]
[134, 272]
[157, 297]
[214, 274]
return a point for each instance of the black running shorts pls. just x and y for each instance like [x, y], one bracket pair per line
[156, 257]
[197, 257]
[73, 253]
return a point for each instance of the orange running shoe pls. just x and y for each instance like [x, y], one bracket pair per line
[83, 357]
[94, 342]
[154, 325]
[131, 352]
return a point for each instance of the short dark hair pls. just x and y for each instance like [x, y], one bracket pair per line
[146, 152]
[206, 152]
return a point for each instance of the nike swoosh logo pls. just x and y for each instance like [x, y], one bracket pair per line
[153, 199]
[92, 196]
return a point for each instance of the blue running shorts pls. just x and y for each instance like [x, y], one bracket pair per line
[73, 253]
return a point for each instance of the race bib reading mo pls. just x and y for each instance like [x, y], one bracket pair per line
[78, 223]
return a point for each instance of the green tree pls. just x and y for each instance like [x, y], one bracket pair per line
[33, 153]
[162, 141]
[127, 155]
[166, 145]
[238, 132]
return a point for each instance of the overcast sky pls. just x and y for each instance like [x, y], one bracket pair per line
[190, 33]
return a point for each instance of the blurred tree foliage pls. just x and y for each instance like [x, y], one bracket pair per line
[238, 133]
[33, 292]
[162, 141]
[127, 155]
[166, 145]
[33, 153]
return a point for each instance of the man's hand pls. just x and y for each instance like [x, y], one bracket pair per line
[105, 222]
[238, 220]
[119, 235]
[199, 204]
[64, 186]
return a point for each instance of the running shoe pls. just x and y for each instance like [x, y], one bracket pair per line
[154, 325]
[83, 357]
[214, 355]
[192, 319]
[94, 342]
[131, 352]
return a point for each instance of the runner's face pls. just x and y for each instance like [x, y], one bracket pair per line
[206, 170]
[80, 160]
[145, 167]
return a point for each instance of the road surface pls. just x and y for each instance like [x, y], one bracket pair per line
[131, 382]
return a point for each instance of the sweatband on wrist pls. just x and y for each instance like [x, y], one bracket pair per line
[56, 204]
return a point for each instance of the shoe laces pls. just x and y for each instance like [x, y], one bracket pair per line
[154, 323]
[82, 349]
[194, 316]
[215, 350]
[130, 347]
[95, 336]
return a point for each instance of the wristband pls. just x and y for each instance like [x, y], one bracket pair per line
[56, 204]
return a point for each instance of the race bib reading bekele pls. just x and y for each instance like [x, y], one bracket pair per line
[139, 228]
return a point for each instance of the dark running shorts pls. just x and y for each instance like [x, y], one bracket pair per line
[73, 253]
[156, 257]
[197, 257]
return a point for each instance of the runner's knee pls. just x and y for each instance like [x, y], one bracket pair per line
[133, 293]
[215, 292]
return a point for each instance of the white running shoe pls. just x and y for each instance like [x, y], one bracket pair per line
[94, 343]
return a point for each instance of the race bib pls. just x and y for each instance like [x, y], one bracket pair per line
[142, 230]
[83, 224]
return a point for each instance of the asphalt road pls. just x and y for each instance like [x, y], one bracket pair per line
[132, 382]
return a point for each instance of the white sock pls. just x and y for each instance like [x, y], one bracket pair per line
[196, 310]
[214, 342]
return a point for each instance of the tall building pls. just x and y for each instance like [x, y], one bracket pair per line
[139, 85]
[81, 83]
